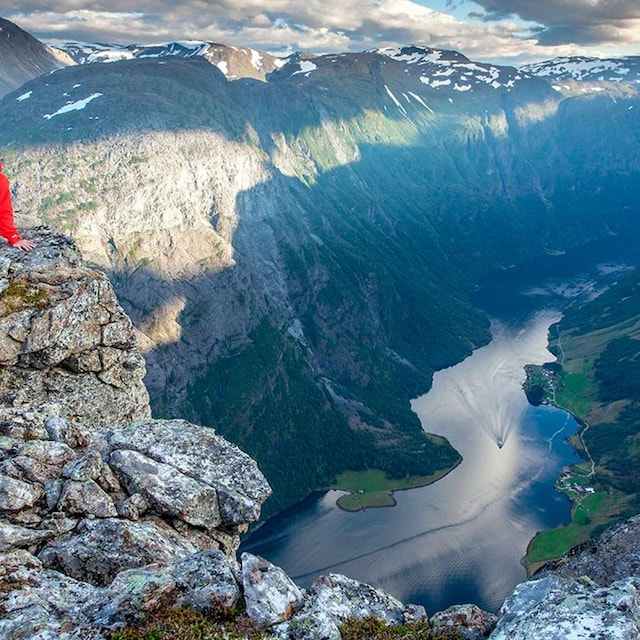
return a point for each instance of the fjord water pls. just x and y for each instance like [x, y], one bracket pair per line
[462, 539]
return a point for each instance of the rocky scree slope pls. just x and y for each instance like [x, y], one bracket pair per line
[103, 520]
[296, 253]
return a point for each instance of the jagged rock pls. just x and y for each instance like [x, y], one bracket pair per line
[12, 536]
[88, 467]
[86, 498]
[167, 490]
[201, 454]
[133, 507]
[52, 491]
[334, 598]
[30, 470]
[55, 316]
[130, 596]
[53, 453]
[16, 494]
[207, 580]
[471, 622]
[556, 609]
[61, 430]
[38, 604]
[270, 595]
[102, 548]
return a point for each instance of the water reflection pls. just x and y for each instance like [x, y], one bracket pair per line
[461, 539]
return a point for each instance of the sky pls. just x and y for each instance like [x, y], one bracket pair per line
[500, 31]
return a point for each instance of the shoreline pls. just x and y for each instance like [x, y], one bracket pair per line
[389, 493]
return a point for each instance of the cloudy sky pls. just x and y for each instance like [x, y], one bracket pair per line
[510, 31]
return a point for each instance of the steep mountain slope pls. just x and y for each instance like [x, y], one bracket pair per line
[297, 251]
[24, 57]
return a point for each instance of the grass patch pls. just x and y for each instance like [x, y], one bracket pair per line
[21, 294]
[594, 511]
[374, 488]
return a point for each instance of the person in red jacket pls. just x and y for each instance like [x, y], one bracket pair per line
[7, 228]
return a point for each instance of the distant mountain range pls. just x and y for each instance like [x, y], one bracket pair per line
[436, 66]
[296, 246]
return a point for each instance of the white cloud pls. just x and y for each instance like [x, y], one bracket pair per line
[313, 25]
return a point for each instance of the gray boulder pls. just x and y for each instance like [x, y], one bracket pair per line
[100, 549]
[557, 608]
[167, 490]
[270, 595]
[40, 604]
[201, 454]
[334, 598]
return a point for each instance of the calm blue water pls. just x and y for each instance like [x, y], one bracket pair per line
[463, 538]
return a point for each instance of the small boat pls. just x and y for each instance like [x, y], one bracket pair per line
[500, 443]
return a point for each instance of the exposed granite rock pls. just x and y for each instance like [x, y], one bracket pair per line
[333, 599]
[270, 595]
[64, 337]
[556, 608]
[201, 454]
[167, 490]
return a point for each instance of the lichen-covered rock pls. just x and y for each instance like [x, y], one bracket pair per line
[270, 595]
[201, 454]
[132, 594]
[333, 599]
[86, 499]
[468, 620]
[167, 490]
[100, 549]
[38, 604]
[55, 317]
[207, 580]
[558, 608]
[13, 536]
[16, 494]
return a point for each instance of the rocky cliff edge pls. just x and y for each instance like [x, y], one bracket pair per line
[107, 514]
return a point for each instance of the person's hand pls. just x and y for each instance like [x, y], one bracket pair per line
[24, 245]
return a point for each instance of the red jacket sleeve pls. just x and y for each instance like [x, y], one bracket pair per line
[7, 228]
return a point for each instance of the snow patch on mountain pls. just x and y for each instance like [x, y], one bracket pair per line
[78, 105]
[462, 73]
[588, 69]
[306, 67]
[234, 62]
[397, 102]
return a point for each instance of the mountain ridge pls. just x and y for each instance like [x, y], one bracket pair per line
[25, 57]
